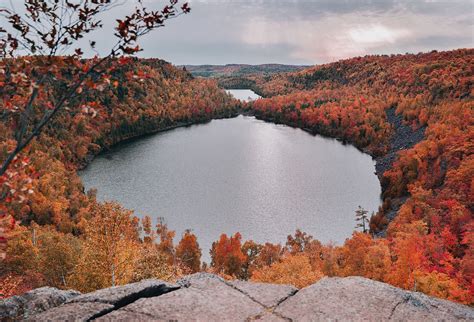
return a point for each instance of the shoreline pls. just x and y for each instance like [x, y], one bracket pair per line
[91, 156]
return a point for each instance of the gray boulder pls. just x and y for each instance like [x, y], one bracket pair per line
[96, 304]
[34, 302]
[361, 299]
[125, 294]
[203, 297]
[73, 312]
[207, 297]
[268, 295]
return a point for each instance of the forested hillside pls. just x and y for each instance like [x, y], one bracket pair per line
[428, 191]
[426, 218]
[137, 98]
[240, 76]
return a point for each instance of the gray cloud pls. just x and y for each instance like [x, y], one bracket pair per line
[302, 31]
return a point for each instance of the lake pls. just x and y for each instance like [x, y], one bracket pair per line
[245, 95]
[240, 175]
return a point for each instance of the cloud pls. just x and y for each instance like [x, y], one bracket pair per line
[301, 31]
[361, 32]
[376, 34]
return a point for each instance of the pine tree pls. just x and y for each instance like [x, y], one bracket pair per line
[362, 219]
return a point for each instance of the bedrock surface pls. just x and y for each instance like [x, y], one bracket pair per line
[206, 297]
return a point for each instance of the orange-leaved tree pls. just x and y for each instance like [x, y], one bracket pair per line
[227, 256]
[188, 252]
[110, 248]
[293, 269]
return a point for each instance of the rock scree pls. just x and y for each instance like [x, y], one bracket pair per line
[207, 297]
[403, 138]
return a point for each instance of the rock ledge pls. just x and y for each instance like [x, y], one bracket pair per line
[206, 297]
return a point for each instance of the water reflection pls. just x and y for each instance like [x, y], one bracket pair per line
[245, 95]
[242, 174]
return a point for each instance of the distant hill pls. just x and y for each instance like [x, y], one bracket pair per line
[240, 69]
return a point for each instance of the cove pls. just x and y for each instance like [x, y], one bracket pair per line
[240, 175]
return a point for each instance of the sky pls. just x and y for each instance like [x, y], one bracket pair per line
[299, 31]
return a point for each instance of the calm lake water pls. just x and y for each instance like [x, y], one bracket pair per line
[240, 175]
[243, 94]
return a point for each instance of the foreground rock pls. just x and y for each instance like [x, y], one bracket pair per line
[96, 304]
[206, 297]
[361, 299]
[34, 302]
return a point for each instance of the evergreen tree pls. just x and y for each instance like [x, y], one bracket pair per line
[362, 219]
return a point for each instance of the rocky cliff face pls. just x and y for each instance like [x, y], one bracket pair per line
[205, 297]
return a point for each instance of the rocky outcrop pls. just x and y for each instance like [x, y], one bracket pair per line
[206, 297]
[403, 138]
[361, 299]
[102, 302]
[34, 302]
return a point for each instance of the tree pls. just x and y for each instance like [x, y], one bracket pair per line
[151, 263]
[363, 219]
[299, 242]
[408, 250]
[354, 253]
[166, 246]
[58, 255]
[441, 285]
[41, 255]
[269, 254]
[252, 251]
[110, 249]
[377, 262]
[188, 252]
[21, 253]
[149, 234]
[227, 256]
[295, 270]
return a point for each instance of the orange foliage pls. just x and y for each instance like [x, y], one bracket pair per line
[292, 270]
[189, 253]
[227, 256]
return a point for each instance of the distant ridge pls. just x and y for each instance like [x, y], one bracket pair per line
[240, 69]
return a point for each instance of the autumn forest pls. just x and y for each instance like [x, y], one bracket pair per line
[59, 111]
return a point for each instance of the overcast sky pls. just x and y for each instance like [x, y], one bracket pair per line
[301, 31]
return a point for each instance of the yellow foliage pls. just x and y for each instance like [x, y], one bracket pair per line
[442, 286]
[293, 269]
[110, 249]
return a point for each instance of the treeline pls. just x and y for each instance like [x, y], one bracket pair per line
[433, 181]
[353, 116]
[117, 248]
[114, 248]
[240, 70]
